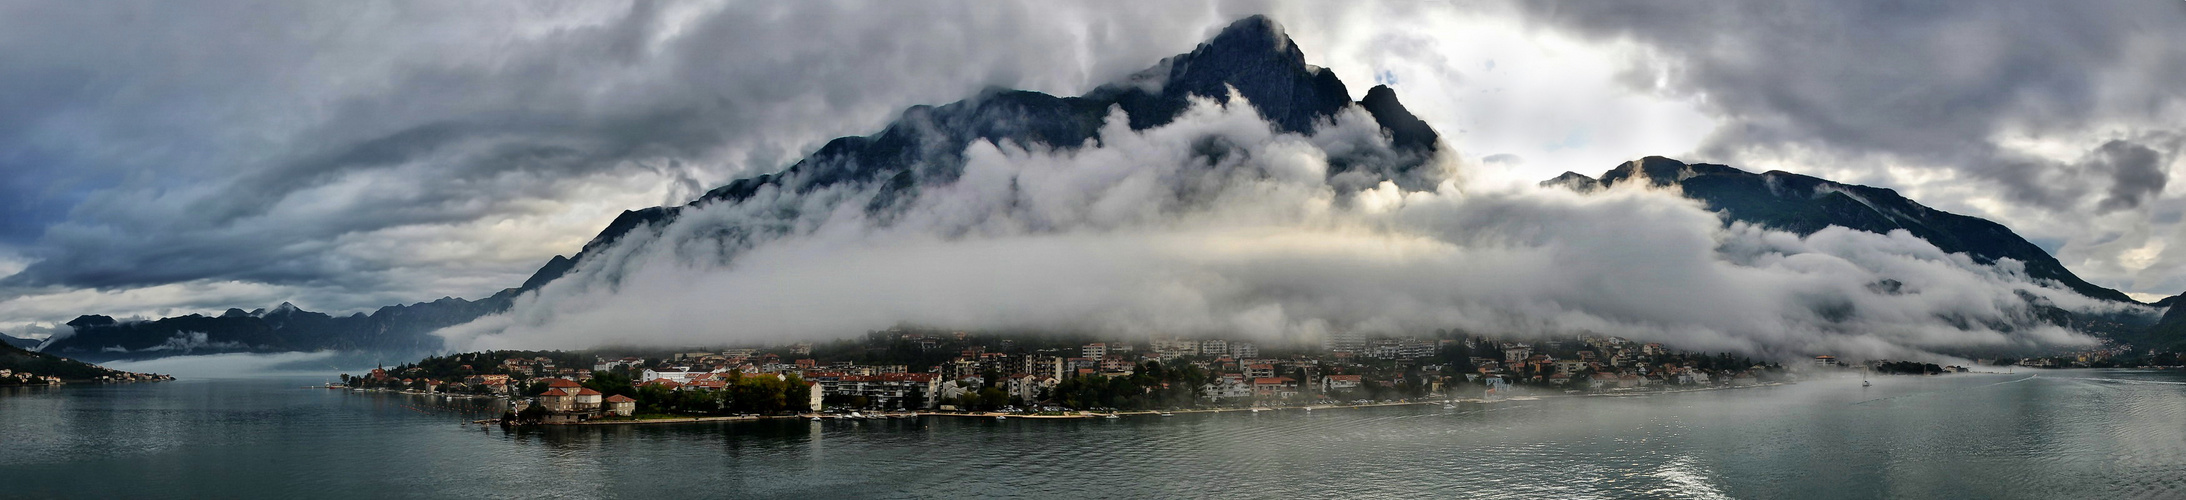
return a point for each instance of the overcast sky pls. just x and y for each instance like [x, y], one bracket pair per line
[162, 158]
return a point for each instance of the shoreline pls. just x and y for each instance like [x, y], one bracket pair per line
[1082, 415]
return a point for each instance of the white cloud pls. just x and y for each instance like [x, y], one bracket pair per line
[1149, 233]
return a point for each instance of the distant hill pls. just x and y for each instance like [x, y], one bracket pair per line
[395, 329]
[19, 342]
[22, 361]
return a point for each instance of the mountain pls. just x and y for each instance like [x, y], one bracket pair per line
[21, 343]
[921, 147]
[1803, 205]
[2169, 333]
[15, 359]
[924, 146]
[402, 329]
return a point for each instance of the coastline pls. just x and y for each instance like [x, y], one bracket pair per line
[1081, 415]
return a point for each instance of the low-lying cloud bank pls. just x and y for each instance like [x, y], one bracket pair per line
[1216, 224]
[244, 365]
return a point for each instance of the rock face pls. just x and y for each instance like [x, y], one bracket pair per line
[1251, 58]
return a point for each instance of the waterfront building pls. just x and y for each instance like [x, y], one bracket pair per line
[1333, 383]
[621, 406]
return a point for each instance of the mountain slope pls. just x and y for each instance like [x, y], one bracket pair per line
[1803, 205]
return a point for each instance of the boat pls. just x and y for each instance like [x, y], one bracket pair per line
[1167, 414]
[815, 419]
[1111, 415]
[1001, 417]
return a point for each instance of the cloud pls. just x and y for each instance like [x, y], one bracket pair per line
[352, 130]
[1215, 224]
[238, 365]
[2136, 174]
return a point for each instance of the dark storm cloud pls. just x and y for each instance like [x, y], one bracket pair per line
[1935, 83]
[2136, 174]
[150, 143]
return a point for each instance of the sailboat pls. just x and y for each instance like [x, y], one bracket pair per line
[1863, 378]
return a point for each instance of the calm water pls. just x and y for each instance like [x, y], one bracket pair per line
[2056, 434]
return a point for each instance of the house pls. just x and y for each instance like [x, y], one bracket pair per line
[1279, 387]
[1229, 385]
[1028, 387]
[1333, 383]
[1094, 351]
[620, 406]
[557, 401]
[586, 401]
[567, 385]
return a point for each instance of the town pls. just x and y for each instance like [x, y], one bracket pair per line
[12, 377]
[954, 372]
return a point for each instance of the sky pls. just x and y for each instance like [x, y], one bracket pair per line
[160, 159]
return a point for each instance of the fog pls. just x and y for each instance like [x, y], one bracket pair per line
[326, 364]
[1216, 225]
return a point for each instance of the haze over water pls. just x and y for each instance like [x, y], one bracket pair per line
[2032, 434]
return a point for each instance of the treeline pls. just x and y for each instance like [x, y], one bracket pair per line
[763, 394]
[1908, 368]
[1152, 386]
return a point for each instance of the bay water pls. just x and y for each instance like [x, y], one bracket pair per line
[2029, 434]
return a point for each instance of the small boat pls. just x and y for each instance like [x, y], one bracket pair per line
[815, 419]
[1864, 383]
[1111, 415]
[1001, 417]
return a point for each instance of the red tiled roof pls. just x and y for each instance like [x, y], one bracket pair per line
[588, 392]
[555, 393]
[618, 398]
[562, 383]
